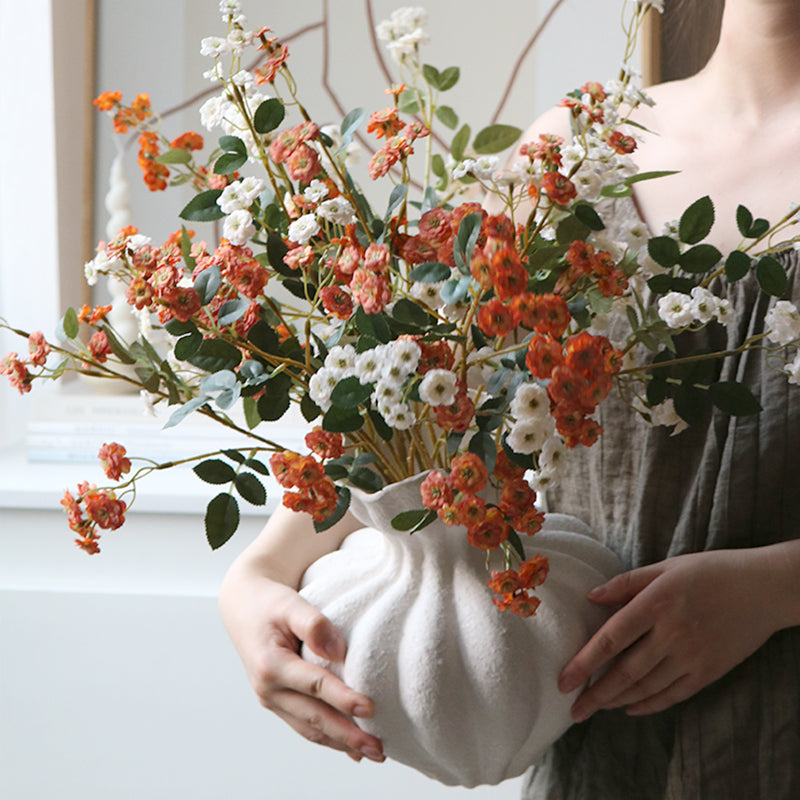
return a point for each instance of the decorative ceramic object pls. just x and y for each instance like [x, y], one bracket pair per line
[463, 693]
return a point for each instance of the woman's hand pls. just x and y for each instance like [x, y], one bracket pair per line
[267, 621]
[684, 623]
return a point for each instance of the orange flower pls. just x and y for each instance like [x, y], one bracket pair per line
[436, 490]
[559, 188]
[491, 533]
[471, 511]
[505, 470]
[621, 143]
[384, 123]
[99, 346]
[544, 355]
[107, 100]
[508, 276]
[105, 509]
[304, 472]
[281, 464]
[495, 318]
[468, 473]
[533, 571]
[529, 523]
[434, 226]
[516, 497]
[115, 464]
[187, 141]
[457, 416]
[336, 301]
[326, 445]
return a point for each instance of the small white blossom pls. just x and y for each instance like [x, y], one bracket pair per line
[320, 386]
[528, 436]
[341, 360]
[244, 78]
[136, 241]
[238, 40]
[484, 167]
[588, 185]
[675, 309]
[238, 227]
[214, 46]
[438, 387]
[386, 394]
[315, 191]
[368, 365]
[148, 403]
[704, 304]
[530, 403]
[304, 229]
[240, 195]
[212, 112]
[405, 354]
[553, 455]
[723, 314]
[462, 168]
[793, 371]
[634, 233]
[229, 8]
[783, 322]
[427, 293]
[398, 416]
[337, 210]
[665, 414]
[479, 368]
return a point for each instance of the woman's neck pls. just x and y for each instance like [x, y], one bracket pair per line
[755, 69]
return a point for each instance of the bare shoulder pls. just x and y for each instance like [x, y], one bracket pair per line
[555, 120]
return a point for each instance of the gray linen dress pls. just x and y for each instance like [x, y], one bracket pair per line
[728, 482]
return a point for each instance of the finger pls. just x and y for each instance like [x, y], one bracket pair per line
[321, 724]
[630, 668]
[617, 634]
[676, 692]
[293, 673]
[624, 587]
[662, 676]
[314, 736]
[314, 629]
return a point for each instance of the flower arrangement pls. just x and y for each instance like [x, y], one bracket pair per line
[425, 336]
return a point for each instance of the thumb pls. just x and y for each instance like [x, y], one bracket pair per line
[625, 586]
[316, 631]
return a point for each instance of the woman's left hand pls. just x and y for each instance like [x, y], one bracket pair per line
[684, 623]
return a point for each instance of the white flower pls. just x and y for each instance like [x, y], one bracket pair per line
[480, 368]
[703, 305]
[398, 416]
[136, 241]
[553, 455]
[238, 40]
[542, 480]
[484, 167]
[148, 403]
[244, 79]
[783, 322]
[213, 111]
[229, 8]
[404, 354]
[723, 311]
[528, 436]
[675, 309]
[793, 370]
[438, 387]
[216, 74]
[320, 386]
[634, 233]
[337, 210]
[369, 365]
[304, 229]
[214, 46]
[462, 168]
[665, 414]
[315, 191]
[240, 194]
[238, 227]
[588, 184]
[101, 264]
[427, 293]
[530, 403]
[341, 360]
[386, 394]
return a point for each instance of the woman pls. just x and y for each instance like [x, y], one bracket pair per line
[701, 697]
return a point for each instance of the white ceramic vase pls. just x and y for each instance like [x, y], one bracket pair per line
[463, 693]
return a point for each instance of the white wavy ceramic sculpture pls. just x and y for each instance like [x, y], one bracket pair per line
[463, 693]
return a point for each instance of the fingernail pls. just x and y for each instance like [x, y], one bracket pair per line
[567, 684]
[597, 592]
[334, 648]
[355, 756]
[581, 712]
[373, 754]
[362, 711]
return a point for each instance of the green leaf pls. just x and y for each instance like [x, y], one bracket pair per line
[432, 76]
[448, 78]
[482, 445]
[700, 258]
[203, 207]
[737, 265]
[214, 470]
[350, 124]
[771, 276]
[228, 163]
[660, 284]
[176, 155]
[466, 238]
[447, 117]
[734, 398]
[342, 504]
[495, 139]
[207, 284]
[257, 466]
[438, 167]
[222, 519]
[187, 346]
[251, 415]
[342, 420]
[407, 312]
[186, 249]
[269, 115]
[187, 408]
[413, 520]
[570, 229]
[263, 337]
[459, 143]
[234, 455]
[407, 102]
[232, 310]
[350, 392]
[430, 272]
[455, 291]
[649, 176]
[664, 250]
[691, 404]
[69, 324]
[379, 423]
[117, 348]
[397, 196]
[178, 328]
[696, 222]
[744, 220]
[251, 489]
[232, 144]
[366, 480]
[589, 217]
[309, 409]
[275, 401]
[214, 355]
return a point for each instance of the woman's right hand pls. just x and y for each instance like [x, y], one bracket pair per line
[268, 621]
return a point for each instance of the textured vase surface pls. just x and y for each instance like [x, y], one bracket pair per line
[463, 693]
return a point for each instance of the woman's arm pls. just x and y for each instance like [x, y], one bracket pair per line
[684, 623]
[267, 620]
